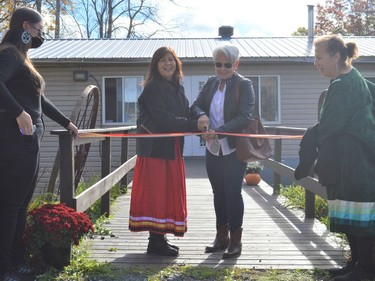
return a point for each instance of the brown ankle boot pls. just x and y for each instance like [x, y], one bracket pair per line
[235, 245]
[221, 241]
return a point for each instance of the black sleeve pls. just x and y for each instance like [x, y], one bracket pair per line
[10, 61]
[307, 153]
[53, 112]
[166, 111]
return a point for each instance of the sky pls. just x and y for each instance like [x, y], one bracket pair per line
[255, 18]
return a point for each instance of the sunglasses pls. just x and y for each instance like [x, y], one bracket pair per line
[226, 65]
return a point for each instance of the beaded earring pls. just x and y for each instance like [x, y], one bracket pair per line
[25, 37]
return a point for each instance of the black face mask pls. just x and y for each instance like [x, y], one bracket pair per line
[36, 42]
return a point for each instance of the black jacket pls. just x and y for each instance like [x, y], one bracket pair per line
[237, 110]
[307, 153]
[19, 90]
[163, 108]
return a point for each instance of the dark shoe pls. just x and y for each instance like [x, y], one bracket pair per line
[158, 245]
[334, 272]
[357, 274]
[161, 249]
[221, 241]
[170, 244]
[235, 245]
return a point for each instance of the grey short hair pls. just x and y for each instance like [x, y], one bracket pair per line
[229, 50]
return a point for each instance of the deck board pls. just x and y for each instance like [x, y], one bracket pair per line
[273, 236]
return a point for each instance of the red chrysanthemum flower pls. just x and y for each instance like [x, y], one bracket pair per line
[57, 225]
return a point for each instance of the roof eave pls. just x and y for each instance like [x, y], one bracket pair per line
[184, 60]
[121, 61]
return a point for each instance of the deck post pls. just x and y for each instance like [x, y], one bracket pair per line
[310, 201]
[106, 170]
[277, 157]
[124, 157]
[66, 150]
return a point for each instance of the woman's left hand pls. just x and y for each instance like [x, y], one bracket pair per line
[71, 127]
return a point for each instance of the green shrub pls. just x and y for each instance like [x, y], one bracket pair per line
[295, 197]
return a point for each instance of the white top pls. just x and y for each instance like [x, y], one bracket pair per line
[217, 120]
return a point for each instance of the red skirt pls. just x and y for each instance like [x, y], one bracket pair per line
[158, 196]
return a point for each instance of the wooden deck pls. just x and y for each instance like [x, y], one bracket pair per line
[273, 236]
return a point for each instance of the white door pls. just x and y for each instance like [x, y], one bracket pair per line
[194, 145]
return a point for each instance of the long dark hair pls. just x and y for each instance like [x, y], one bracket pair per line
[154, 72]
[12, 38]
[14, 34]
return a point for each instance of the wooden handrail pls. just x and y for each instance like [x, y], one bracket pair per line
[101, 189]
[310, 184]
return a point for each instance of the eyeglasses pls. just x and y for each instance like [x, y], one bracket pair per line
[40, 31]
[226, 65]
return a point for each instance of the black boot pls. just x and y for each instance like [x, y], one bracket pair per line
[350, 264]
[235, 245]
[334, 272]
[221, 240]
[359, 273]
[158, 245]
[170, 244]
[364, 267]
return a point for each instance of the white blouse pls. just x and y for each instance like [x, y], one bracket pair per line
[217, 120]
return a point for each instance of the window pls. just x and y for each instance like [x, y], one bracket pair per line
[120, 99]
[267, 101]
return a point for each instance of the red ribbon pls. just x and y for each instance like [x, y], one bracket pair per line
[163, 135]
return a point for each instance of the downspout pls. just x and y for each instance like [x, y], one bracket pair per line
[310, 27]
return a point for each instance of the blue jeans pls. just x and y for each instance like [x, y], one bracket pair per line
[226, 173]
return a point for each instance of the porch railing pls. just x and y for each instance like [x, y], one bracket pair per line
[310, 184]
[101, 189]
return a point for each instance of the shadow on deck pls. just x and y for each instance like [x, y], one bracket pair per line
[273, 237]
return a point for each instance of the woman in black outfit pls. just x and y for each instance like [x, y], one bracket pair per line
[225, 104]
[22, 102]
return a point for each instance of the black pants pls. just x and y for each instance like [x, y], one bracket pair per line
[226, 176]
[19, 164]
[362, 248]
[365, 248]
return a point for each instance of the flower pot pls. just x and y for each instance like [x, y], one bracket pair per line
[252, 179]
[56, 257]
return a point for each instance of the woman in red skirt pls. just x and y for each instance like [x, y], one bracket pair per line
[158, 201]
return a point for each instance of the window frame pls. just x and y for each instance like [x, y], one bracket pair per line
[123, 79]
[278, 105]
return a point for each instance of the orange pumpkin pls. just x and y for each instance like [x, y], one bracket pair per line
[252, 179]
